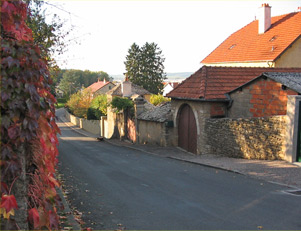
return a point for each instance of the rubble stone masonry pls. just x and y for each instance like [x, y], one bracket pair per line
[251, 138]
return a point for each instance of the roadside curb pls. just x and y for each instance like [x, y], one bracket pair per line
[206, 165]
[71, 222]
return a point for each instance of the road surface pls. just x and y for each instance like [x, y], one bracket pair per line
[120, 188]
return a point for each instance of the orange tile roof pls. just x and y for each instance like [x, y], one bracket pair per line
[211, 83]
[246, 45]
[97, 85]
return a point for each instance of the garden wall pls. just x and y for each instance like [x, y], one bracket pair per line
[151, 132]
[92, 126]
[252, 138]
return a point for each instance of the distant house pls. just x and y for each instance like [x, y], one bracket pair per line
[116, 123]
[168, 87]
[228, 92]
[266, 42]
[58, 92]
[128, 89]
[100, 87]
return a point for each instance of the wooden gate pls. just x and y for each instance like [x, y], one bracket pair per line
[187, 130]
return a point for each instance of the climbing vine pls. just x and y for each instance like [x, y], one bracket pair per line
[121, 103]
[28, 128]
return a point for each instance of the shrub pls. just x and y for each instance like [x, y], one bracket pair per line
[158, 99]
[98, 108]
[121, 103]
[79, 103]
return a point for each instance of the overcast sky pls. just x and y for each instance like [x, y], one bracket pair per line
[186, 31]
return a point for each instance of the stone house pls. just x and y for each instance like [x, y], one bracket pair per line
[212, 93]
[100, 87]
[265, 42]
[119, 125]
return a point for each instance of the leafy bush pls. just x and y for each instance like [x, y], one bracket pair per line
[121, 103]
[98, 108]
[158, 99]
[79, 103]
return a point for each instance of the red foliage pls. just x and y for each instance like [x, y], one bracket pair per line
[8, 202]
[34, 217]
[27, 117]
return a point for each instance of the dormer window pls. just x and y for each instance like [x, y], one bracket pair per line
[273, 38]
[234, 45]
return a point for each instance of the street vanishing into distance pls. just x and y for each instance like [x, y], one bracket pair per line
[120, 188]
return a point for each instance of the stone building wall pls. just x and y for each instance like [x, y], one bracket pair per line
[261, 98]
[252, 138]
[202, 110]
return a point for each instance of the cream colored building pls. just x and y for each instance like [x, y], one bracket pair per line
[265, 42]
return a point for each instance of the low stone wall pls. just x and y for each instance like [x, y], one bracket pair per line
[155, 133]
[151, 132]
[92, 126]
[253, 138]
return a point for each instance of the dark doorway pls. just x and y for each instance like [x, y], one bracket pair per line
[187, 131]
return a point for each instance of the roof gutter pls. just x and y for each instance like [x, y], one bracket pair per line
[202, 100]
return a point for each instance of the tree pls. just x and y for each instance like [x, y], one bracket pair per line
[80, 102]
[71, 81]
[144, 67]
[98, 107]
[49, 35]
[74, 80]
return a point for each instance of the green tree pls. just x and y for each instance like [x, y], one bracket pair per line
[98, 107]
[73, 80]
[144, 67]
[49, 36]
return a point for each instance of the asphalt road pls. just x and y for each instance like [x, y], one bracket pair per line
[120, 188]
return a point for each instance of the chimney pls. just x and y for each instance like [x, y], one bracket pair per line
[126, 88]
[299, 9]
[264, 18]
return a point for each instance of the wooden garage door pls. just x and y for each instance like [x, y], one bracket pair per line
[187, 131]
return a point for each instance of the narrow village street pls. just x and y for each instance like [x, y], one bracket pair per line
[121, 188]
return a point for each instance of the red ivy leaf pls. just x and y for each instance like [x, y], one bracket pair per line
[34, 217]
[8, 202]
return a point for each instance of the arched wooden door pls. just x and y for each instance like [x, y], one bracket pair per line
[187, 130]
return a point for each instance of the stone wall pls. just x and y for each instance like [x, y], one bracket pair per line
[155, 133]
[253, 138]
[92, 126]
